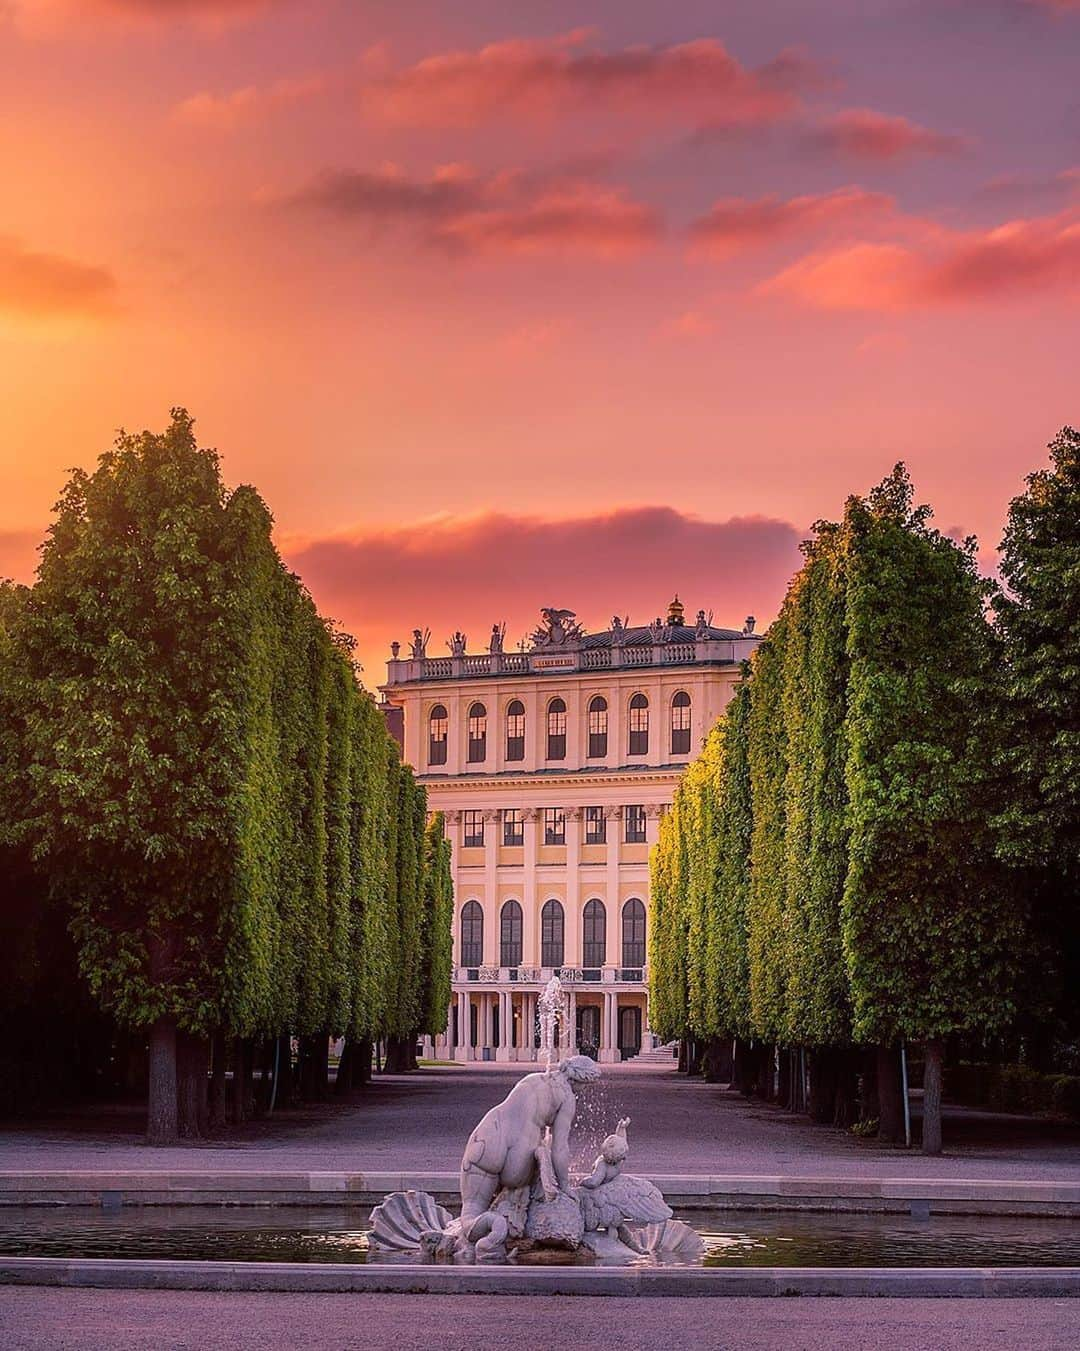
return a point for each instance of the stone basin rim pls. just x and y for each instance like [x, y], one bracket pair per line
[851, 1282]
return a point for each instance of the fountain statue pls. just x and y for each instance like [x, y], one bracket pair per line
[517, 1194]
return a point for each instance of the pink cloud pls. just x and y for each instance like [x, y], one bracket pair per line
[943, 268]
[47, 285]
[383, 583]
[45, 16]
[541, 77]
[735, 223]
[589, 220]
[223, 112]
[465, 212]
[862, 133]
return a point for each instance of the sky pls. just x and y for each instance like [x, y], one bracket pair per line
[506, 305]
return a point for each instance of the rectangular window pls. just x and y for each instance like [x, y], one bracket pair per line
[513, 826]
[515, 730]
[554, 825]
[595, 826]
[473, 836]
[635, 824]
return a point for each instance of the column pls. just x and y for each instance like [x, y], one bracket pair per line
[491, 864]
[653, 813]
[461, 1046]
[490, 1040]
[610, 1052]
[451, 820]
[503, 1052]
[530, 902]
[613, 900]
[573, 1021]
[575, 825]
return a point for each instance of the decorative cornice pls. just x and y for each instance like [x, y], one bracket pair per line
[659, 775]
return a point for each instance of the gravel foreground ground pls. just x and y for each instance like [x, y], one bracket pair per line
[119, 1320]
[420, 1122]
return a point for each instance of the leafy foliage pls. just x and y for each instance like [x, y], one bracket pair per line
[214, 797]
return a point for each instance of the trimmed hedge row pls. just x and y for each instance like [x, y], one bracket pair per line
[1014, 1088]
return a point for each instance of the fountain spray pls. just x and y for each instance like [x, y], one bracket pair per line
[550, 1008]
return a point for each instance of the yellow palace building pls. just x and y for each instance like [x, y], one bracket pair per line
[553, 765]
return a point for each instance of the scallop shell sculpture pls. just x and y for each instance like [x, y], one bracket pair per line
[671, 1239]
[400, 1221]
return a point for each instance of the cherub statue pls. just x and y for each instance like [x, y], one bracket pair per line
[612, 1200]
[611, 1158]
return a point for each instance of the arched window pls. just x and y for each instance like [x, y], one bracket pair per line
[477, 734]
[472, 934]
[633, 933]
[639, 725]
[556, 729]
[510, 934]
[552, 928]
[594, 934]
[597, 727]
[437, 728]
[680, 724]
[515, 730]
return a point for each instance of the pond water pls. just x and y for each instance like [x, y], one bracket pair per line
[732, 1239]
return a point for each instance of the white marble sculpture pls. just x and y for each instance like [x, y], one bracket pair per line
[517, 1194]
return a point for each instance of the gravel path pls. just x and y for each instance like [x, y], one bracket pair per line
[420, 1121]
[128, 1320]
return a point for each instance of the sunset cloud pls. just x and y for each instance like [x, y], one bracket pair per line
[382, 584]
[529, 78]
[223, 112]
[1016, 259]
[47, 285]
[862, 133]
[736, 223]
[461, 211]
[43, 16]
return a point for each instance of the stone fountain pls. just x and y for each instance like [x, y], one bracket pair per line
[518, 1200]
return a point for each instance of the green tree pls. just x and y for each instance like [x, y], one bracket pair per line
[1038, 618]
[930, 927]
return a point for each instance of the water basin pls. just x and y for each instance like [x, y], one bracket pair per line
[732, 1239]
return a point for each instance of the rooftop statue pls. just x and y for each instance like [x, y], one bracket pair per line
[557, 627]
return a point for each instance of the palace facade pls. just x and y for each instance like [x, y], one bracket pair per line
[553, 765]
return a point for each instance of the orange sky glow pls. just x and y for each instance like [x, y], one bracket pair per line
[502, 306]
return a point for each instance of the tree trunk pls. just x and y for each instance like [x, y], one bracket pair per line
[823, 1083]
[362, 1063]
[869, 1106]
[162, 1119]
[933, 1076]
[716, 1062]
[286, 1081]
[683, 1055]
[846, 1100]
[785, 1095]
[343, 1081]
[744, 1069]
[216, 1096]
[766, 1073]
[191, 1062]
[890, 1097]
[239, 1103]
